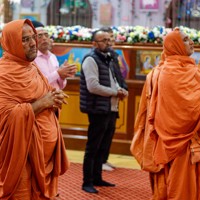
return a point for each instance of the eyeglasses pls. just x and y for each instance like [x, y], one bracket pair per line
[105, 40]
[27, 39]
[40, 35]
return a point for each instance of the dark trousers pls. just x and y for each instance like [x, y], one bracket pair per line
[100, 132]
[107, 150]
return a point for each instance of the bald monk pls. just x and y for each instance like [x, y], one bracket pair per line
[32, 151]
[166, 141]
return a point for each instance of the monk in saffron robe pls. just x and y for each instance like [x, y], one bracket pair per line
[166, 141]
[32, 150]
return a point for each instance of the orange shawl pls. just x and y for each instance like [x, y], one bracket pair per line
[176, 118]
[22, 134]
[142, 144]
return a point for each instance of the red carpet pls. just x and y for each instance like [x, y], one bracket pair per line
[130, 185]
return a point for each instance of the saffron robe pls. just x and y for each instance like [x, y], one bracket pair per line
[26, 140]
[174, 118]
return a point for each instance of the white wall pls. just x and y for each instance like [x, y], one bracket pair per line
[122, 13]
[39, 8]
[156, 18]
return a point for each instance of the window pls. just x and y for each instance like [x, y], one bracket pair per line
[69, 13]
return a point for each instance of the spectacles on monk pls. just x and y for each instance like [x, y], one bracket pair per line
[40, 35]
[28, 39]
[105, 40]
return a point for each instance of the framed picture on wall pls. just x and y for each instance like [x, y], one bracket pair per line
[146, 60]
[31, 16]
[106, 14]
[149, 5]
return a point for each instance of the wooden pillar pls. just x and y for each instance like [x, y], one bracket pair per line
[8, 12]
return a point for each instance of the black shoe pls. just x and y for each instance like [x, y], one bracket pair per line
[89, 189]
[103, 183]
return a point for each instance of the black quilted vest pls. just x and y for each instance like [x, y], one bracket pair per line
[92, 103]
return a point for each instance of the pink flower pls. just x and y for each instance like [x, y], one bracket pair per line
[121, 38]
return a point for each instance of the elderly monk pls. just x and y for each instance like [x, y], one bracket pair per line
[168, 124]
[32, 151]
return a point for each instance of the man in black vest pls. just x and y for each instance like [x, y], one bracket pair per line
[100, 93]
[120, 79]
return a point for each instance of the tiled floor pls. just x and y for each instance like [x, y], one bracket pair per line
[115, 159]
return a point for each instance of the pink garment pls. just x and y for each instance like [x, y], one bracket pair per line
[48, 65]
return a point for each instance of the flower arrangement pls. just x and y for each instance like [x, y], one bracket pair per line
[123, 34]
[140, 34]
[66, 34]
[192, 33]
[128, 34]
